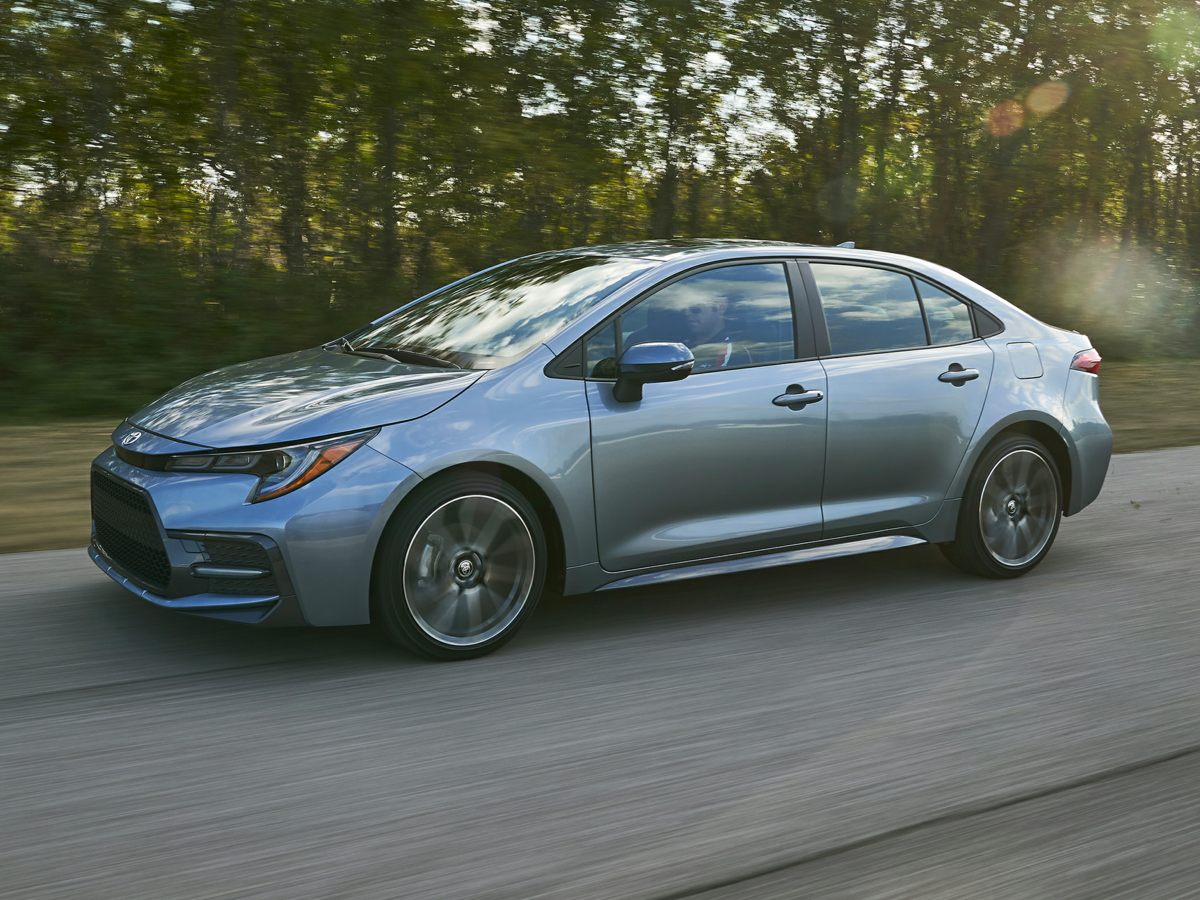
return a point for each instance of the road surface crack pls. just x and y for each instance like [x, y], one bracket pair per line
[955, 814]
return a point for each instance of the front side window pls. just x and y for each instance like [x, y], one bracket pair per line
[728, 317]
[493, 318]
[869, 310]
[949, 318]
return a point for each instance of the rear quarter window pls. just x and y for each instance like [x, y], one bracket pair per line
[949, 318]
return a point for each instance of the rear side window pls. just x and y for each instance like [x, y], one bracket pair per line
[869, 309]
[949, 318]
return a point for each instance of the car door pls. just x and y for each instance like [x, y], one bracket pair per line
[907, 378]
[720, 462]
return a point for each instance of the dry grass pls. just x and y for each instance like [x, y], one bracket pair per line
[1151, 405]
[44, 494]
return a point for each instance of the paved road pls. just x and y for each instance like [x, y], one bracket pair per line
[878, 726]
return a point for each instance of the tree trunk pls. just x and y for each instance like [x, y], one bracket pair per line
[662, 208]
[883, 129]
[386, 145]
[843, 198]
[292, 169]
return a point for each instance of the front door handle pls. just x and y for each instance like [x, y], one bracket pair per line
[957, 375]
[797, 397]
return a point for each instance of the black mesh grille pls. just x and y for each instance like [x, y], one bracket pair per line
[245, 554]
[127, 532]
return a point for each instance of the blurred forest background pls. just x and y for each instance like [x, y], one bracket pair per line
[186, 184]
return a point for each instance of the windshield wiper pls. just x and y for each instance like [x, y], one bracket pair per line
[341, 343]
[399, 354]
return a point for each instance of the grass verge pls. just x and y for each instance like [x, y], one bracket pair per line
[44, 495]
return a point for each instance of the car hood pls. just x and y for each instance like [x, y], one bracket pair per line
[298, 396]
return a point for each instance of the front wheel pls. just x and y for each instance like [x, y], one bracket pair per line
[1011, 511]
[459, 568]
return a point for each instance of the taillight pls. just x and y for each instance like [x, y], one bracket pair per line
[1087, 361]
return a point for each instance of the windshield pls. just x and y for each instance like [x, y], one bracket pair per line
[492, 318]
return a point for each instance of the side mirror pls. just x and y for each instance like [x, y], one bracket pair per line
[650, 363]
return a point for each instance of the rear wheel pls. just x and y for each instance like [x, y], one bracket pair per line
[1011, 511]
[459, 568]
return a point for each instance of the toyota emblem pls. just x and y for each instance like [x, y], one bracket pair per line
[130, 438]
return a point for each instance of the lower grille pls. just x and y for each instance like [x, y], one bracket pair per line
[241, 554]
[127, 532]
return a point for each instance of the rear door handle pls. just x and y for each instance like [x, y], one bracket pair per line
[797, 397]
[957, 375]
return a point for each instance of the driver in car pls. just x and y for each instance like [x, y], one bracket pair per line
[709, 337]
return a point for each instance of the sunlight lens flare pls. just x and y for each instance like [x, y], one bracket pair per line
[1005, 118]
[1046, 97]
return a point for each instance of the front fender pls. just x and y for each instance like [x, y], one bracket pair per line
[520, 418]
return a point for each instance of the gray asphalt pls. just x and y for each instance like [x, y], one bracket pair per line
[876, 726]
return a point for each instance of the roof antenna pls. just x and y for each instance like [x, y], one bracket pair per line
[847, 245]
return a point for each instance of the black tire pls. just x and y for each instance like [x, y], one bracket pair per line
[443, 562]
[1008, 521]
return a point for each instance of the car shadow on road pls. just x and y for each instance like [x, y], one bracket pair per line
[909, 579]
[878, 580]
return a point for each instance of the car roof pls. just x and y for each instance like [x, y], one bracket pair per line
[677, 248]
[672, 249]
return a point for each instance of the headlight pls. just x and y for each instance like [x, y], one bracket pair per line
[280, 470]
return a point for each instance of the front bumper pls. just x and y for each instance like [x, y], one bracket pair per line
[258, 609]
[197, 546]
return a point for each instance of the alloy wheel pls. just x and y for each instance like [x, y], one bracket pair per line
[469, 570]
[1018, 507]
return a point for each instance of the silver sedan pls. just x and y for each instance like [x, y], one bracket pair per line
[602, 417]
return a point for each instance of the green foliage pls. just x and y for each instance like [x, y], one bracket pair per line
[185, 184]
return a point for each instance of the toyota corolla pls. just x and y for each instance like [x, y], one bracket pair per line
[597, 418]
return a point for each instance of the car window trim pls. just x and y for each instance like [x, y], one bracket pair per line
[925, 315]
[798, 293]
[816, 310]
[819, 309]
[802, 321]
